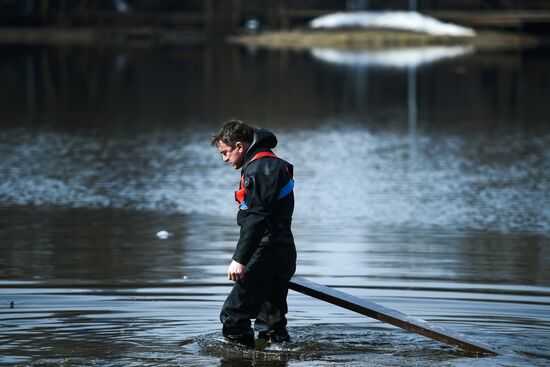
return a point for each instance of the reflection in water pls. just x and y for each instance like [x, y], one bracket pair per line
[84, 87]
[409, 58]
[406, 195]
[393, 58]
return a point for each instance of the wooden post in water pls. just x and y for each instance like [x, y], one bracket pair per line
[388, 315]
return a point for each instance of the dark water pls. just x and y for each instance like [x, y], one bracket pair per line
[422, 185]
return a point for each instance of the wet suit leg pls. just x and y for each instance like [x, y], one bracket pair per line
[258, 295]
[271, 321]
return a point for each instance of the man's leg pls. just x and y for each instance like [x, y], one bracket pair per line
[242, 304]
[271, 321]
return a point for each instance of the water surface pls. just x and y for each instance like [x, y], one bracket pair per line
[421, 187]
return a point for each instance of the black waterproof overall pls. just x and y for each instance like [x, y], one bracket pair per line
[266, 246]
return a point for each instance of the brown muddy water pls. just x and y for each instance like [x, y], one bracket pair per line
[422, 184]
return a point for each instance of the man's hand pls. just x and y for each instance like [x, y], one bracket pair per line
[235, 271]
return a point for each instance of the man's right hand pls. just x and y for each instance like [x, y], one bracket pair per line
[235, 271]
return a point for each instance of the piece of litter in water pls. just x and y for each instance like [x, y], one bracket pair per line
[163, 234]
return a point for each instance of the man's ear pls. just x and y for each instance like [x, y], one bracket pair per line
[239, 146]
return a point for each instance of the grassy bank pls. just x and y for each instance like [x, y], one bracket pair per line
[351, 39]
[359, 39]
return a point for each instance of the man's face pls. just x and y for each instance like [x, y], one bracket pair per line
[234, 156]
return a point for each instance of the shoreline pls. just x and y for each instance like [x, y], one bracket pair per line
[138, 36]
[371, 39]
[299, 39]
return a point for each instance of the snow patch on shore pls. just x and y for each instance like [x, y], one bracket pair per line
[397, 20]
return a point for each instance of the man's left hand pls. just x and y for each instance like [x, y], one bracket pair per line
[235, 271]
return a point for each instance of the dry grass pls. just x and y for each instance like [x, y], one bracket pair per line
[351, 39]
[358, 39]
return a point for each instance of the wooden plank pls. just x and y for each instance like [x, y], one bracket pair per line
[389, 316]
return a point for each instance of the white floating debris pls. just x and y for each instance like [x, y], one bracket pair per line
[252, 25]
[122, 6]
[163, 234]
[397, 20]
[392, 58]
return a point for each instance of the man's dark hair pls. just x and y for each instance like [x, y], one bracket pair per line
[233, 131]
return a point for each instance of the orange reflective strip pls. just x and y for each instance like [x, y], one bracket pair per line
[241, 193]
[263, 154]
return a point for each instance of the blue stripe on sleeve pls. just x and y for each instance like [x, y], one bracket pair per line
[287, 189]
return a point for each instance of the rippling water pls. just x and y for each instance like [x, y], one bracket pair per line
[448, 223]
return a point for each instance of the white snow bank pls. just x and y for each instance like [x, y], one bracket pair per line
[393, 58]
[398, 20]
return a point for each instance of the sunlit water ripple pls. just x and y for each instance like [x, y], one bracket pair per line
[343, 174]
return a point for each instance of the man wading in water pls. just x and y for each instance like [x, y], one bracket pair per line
[265, 257]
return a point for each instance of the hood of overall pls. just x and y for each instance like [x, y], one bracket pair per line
[263, 140]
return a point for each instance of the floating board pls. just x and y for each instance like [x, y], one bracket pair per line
[388, 315]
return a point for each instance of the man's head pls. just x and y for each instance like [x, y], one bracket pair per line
[233, 141]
